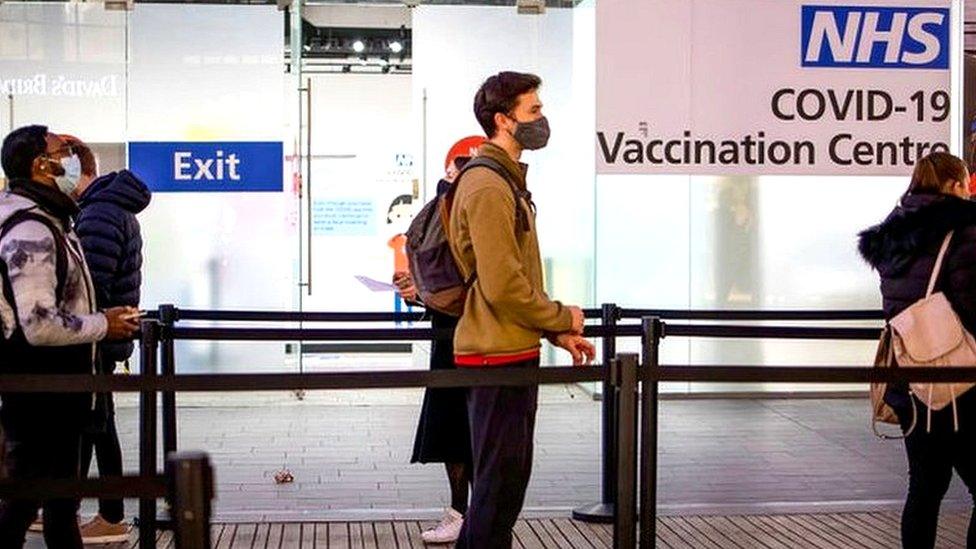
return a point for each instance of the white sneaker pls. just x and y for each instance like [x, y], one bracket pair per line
[447, 531]
[37, 525]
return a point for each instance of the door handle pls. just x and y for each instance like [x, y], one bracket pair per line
[308, 183]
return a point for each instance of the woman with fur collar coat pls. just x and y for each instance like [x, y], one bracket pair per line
[903, 249]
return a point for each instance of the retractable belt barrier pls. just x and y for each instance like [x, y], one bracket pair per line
[630, 394]
[608, 329]
[219, 383]
[187, 485]
[102, 487]
[611, 324]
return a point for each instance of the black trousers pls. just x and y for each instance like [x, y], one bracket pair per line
[42, 440]
[104, 443]
[932, 456]
[502, 431]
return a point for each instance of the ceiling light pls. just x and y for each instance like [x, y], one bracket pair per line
[119, 5]
[358, 46]
[531, 7]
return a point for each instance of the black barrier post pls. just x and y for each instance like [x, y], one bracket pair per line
[191, 491]
[148, 346]
[168, 315]
[624, 372]
[603, 511]
[652, 332]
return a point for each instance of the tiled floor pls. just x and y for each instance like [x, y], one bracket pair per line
[349, 455]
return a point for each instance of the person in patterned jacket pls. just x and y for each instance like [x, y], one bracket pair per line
[49, 323]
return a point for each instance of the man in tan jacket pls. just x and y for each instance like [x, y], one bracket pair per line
[507, 312]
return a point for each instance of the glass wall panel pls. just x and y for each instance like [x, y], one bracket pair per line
[362, 170]
[169, 73]
[63, 65]
[197, 72]
[213, 73]
[455, 49]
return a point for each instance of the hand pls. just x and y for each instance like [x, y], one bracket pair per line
[123, 322]
[582, 350]
[578, 320]
[405, 286]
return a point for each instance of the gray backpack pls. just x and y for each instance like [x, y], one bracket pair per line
[436, 275]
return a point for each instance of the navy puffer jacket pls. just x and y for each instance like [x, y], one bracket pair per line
[112, 241]
[903, 249]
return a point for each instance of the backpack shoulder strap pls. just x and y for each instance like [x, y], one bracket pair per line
[939, 260]
[446, 201]
[521, 218]
[61, 255]
[493, 165]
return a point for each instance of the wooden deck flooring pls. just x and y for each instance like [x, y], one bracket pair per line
[818, 531]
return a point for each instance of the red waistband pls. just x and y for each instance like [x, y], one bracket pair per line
[494, 360]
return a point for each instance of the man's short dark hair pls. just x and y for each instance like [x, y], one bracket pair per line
[20, 148]
[499, 94]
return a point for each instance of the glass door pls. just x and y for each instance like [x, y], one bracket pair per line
[360, 194]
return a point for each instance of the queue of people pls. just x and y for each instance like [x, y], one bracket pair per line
[70, 247]
[70, 267]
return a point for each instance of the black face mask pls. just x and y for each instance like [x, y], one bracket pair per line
[532, 135]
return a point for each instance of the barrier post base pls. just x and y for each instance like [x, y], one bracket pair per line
[599, 513]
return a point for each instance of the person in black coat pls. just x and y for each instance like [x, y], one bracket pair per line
[112, 243]
[903, 249]
[443, 434]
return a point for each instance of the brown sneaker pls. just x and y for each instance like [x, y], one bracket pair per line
[99, 530]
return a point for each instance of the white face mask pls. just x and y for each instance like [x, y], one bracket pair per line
[68, 182]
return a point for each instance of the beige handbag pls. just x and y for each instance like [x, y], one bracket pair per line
[883, 358]
[929, 333]
[882, 412]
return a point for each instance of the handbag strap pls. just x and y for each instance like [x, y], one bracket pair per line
[938, 264]
[890, 355]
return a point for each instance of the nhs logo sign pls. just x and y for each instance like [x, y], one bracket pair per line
[875, 37]
[235, 166]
